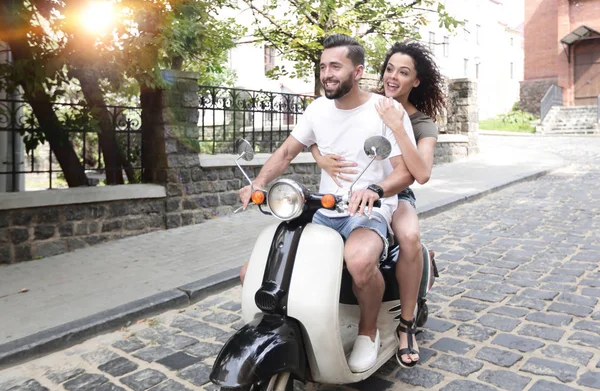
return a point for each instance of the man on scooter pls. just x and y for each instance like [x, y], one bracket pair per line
[339, 125]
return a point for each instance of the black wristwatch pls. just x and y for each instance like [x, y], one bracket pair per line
[377, 189]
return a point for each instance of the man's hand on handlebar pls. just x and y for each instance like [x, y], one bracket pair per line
[360, 199]
[245, 195]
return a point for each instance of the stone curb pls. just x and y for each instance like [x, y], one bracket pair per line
[200, 289]
[537, 134]
[71, 333]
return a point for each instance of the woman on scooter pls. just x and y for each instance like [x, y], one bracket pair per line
[409, 76]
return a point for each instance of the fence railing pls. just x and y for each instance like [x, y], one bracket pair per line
[552, 98]
[225, 114]
[37, 167]
[264, 118]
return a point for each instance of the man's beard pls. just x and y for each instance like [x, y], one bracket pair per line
[342, 89]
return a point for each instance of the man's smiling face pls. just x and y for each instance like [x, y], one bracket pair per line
[338, 72]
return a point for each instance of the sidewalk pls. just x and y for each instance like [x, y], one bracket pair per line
[75, 295]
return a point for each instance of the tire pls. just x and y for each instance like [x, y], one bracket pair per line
[262, 386]
[422, 314]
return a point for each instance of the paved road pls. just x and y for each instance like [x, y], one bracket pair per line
[516, 307]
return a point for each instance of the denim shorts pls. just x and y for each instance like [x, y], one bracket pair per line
[408, 195]
[345, 225]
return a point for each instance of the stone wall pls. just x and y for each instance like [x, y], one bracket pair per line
[448, 152]
[208, 192]
[369, 82]
[532, 93]
[463, 112]
[34, 233]
[196, 192]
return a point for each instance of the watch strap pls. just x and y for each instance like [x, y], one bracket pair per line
[377, 189]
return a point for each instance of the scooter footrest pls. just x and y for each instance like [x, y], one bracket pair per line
[395, 309]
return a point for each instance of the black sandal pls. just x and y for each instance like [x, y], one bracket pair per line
[410, 330]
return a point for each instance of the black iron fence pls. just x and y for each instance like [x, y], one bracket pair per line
[264, 118]
[26, 161]
[225, 115]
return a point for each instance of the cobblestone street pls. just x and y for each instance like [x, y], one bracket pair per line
[515, 307]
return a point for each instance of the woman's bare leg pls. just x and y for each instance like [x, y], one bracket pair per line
[405, 224]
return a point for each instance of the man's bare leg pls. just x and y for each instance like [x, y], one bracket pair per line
[362, 251]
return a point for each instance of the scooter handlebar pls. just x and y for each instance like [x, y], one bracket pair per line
[341, 201]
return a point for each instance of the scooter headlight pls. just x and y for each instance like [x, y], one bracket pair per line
[286, 199]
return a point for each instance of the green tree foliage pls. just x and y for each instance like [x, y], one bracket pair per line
[296, 28]
[56, 60]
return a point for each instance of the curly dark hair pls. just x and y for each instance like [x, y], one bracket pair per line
[428, 97]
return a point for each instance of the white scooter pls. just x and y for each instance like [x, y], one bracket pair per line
[297, 299]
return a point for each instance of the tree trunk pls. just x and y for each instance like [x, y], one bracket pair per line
[124, 162]
[177, 63]
[88, 79]
[318, 86]
[59, 143]
[154, 158]
[40, 101]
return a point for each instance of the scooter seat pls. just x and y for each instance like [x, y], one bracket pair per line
[388, 271]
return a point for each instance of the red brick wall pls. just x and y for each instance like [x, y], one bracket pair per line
[541, 39]
[585, 12]
[564, 68]
[546, 23]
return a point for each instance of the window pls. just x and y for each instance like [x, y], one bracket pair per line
[270, 57]
[477, 28]
[465, 32]
[416, 31]
[477, 71]
[466, 67]
[512, 76]
[431, 41]
[446, 46]
[512, 41]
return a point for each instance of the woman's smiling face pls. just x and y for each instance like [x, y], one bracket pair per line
[400, 76]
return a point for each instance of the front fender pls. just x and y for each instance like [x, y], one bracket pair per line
[266, 346]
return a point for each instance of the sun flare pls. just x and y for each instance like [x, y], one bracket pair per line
[98, 16]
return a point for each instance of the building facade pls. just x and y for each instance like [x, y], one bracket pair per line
[562, 47]
[488, 48]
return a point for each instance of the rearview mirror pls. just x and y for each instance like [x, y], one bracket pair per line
[377, 147]
[245, 150]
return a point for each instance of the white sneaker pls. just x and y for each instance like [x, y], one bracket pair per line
[364, 353]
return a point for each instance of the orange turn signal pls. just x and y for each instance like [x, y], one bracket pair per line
[258, 197]
[328, 201]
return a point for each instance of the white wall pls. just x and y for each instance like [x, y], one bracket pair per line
[248, 62]
[485, 43]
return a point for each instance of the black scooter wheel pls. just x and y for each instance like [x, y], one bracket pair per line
[265, 386]
[422, 314]
[262, 386]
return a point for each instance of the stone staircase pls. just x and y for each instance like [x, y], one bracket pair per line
[570, 120]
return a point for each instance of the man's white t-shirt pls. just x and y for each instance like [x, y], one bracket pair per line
[343, 132]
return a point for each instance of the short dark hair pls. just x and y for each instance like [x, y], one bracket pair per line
[356, 52]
